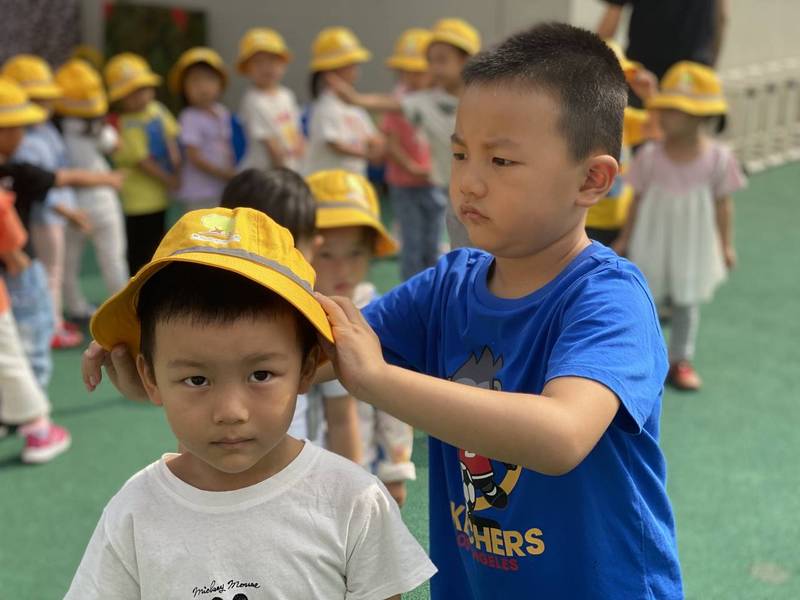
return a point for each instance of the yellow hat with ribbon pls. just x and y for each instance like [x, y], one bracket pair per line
[84, 94]
[691, 88]
[261, 39]
[458, 33]
[337, 47]
[16, 110]
[409, 51]
[34, 75]
[194, 56]
[240, 240]
[345, 199]
[127, 72]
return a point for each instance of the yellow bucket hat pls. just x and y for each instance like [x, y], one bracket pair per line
[409, 51]
[261, 39]
[84, 95]
[193, 56]
[34, 75]
[337, 47]
[90, 54]
[691, 88]
[243, 241]
[458, 33]
[628, 66]
[127, 72]
[15, 108]
[345, 199]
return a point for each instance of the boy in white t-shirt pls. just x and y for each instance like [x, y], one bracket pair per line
[224, 325]
[341, 135]
[269, 110]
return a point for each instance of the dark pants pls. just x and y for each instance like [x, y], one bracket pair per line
[144, 235]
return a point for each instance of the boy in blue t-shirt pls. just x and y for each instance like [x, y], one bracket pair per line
[536, 364]
[545, 473]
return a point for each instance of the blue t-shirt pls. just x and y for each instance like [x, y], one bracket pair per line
[604, 530]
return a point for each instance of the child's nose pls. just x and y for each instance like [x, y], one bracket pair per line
[231, 407]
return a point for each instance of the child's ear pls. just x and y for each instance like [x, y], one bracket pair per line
[600, 172]
[148, 380]
[309, 369]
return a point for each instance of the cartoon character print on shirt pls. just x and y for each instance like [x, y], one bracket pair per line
[479, 473]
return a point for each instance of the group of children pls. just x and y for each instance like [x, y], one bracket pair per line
[534, 357]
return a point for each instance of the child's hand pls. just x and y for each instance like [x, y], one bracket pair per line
[16, 261]
[731, 259]
[643, 83]
[116, 179]
[376, 149]
[398, 491]
[120, 367]
[173, 182]
[357, 355]
[80, 221]
[344, 90]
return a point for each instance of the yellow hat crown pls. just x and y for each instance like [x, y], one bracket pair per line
[194, 56]
[16, 110]
[127, 72]
[345, 199]
[336, 47]
[458, 33]
[261, 39]
[34, 75]
[409, 51]
[243, 241]
[692, 88]
[627, 66]
[84, 95]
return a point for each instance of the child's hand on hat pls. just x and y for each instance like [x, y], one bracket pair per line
[120, 367]
[357, 355]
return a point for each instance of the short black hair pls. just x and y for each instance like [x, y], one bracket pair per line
[280, 193]
[577, 68]
[206, 295]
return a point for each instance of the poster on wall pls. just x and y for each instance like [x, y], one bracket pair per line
[158, 33]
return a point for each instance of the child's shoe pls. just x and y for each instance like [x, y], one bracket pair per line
[65, 338]
[42, 447]
[683, 376]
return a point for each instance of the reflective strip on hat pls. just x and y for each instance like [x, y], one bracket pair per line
[256, 258]
[16, 107]
[75, 103]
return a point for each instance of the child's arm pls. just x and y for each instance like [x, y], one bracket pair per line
[152, 168]
[550, 433]
[196, 158]
[724, 210]
[395, 151]
[341, 416]
[609, 22]
[374, 102]
[76, 218]
[83, 178]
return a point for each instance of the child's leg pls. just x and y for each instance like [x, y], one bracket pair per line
[108, 238]
[30, 302]
[408, 211]
[48, 240]
[21, 399]
[144, 233]
[434, 206]
[685, 323]
[75, 303]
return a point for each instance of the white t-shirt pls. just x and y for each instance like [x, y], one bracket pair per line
[268, 115]
[320, 528]
[434, 112]
[333, 120]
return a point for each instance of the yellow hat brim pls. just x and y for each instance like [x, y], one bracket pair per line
[332, 218]
[693, 106]
[44, 91]
[405, 63]
[454, 40]
[116, 322]
[27, 114]
[355, 56]
[90, 108]
[140, 81]
[245, 56]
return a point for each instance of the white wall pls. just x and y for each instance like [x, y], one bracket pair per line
[376, 22]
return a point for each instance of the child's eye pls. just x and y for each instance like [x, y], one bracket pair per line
[195, 381]
[502, 162]
[459, 156]
[260, 376]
